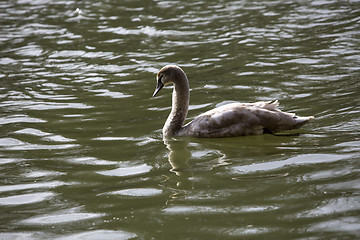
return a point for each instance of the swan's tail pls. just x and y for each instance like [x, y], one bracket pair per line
[282, 120]
[300, 121]
[272, 105]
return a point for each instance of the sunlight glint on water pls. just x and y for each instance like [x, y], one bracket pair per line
[81, 151]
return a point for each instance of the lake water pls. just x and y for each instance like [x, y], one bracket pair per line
[81, 150]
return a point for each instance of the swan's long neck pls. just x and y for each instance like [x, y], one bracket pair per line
[179, 110]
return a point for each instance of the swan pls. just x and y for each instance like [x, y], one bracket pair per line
[230, 120]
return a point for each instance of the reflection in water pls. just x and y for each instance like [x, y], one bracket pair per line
[179, 155]
[76, 159]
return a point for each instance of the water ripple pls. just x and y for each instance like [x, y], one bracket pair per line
[345, 225]
[334, 206]
[13, 144]
[100, 234]
[137, 192]
[127, 171]
[43, 185]
[29, 198]
[61, 217]
[193, 210]
[20, 118]
[81, 154]
[298, 160]
[150, 31]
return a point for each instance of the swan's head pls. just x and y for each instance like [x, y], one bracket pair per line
[168, 74]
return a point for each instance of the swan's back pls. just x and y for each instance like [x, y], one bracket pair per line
[241, 119]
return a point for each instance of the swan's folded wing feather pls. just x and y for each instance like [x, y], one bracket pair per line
[225, 121]
[239, 119]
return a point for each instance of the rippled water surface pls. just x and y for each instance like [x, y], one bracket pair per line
[81, 151]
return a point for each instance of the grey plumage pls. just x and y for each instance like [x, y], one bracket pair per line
[230, 120]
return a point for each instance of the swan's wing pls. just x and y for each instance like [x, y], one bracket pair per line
[238, 119]
[226, 121]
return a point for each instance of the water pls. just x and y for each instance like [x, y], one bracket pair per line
[81, 151]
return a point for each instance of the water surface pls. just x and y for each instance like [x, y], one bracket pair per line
[81, 151]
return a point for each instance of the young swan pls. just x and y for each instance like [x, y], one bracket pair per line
[230, 120]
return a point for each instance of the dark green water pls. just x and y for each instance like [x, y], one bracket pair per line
[81, 151]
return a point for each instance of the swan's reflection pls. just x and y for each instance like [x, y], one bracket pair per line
[189, 166]
[180, 155]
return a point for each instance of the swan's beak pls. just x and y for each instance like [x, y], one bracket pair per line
[159, 86]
